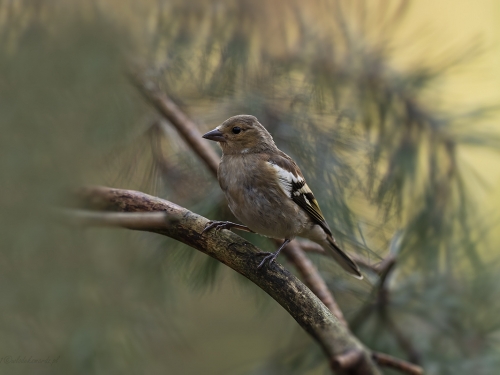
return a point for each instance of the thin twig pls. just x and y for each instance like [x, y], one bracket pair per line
[386, 360]
[312, 278]
[413, 354]
[167, 169]
[129, 220]
[184, 125]
[383, 295]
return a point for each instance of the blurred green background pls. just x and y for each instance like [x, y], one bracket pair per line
[390, 110]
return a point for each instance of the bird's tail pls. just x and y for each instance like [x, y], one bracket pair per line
[342, 258]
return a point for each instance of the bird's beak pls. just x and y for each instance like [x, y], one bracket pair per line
[215, 135]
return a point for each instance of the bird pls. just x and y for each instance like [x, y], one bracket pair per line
[267, 191]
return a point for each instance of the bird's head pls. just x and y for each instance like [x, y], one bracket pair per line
[242, 134]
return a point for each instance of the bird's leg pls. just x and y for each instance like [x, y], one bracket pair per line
[218, 225]
[272, 256]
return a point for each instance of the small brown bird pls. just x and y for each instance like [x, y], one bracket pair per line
[267, 192]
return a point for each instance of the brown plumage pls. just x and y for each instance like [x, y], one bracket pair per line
[266, 190]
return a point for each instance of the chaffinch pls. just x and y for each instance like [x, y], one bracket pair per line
[267, 192]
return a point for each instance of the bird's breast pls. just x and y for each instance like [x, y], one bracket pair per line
[256, 199]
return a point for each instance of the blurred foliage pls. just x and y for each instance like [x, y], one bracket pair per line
[376, 148]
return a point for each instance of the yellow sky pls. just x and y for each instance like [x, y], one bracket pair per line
[454, 24]
[451, 24]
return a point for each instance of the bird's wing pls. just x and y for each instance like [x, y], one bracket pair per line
[294, 185]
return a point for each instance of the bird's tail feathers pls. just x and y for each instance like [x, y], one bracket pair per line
[343, 259]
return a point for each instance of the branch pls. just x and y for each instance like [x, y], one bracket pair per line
[241, 256]
[383, 269]
[184, 125]
[312, 279]
[388, 361]
[382, 296]
[403, 341]
[129, 220]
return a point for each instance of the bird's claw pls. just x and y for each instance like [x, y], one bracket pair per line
[217, 225]
[269, 257]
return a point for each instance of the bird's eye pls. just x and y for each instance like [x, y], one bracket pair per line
[236, 130]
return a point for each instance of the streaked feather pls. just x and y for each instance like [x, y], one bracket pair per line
[294, 185]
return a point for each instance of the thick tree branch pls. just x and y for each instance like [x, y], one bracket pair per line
[241, 256]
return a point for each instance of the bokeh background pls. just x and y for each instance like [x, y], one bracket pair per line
[389, 107]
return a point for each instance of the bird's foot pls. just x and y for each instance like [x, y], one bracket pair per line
[218, 225]
[269, 257]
